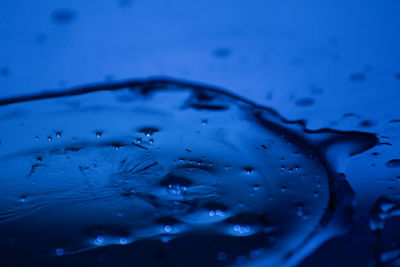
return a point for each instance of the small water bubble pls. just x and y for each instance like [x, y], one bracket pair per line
[123, 241]
[220, 213]
[59, 251]
[58, 134]
[176, 189]
[99, 240]
[283, 188]
[165, 238]
[211, 213]
[49, 138]
[221, 256]
[204, 122]
[39, 159]
[300, 210]
[36, 138]
[256, 187]
[98, 134]
[22, 199]
[167, 228]
[242, 229]
[256, 253]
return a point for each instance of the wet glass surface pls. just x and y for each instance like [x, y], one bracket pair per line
[200, 170]
[294, 162]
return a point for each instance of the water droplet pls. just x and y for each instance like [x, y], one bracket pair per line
[149, 131]
[248, 170]
[165, 238]
[367, 123]
[394, 163]
[240, 259]
[99, 240]
[59, 252]
[167, 228]
[300, 210]
[123, 240]
[221, 256]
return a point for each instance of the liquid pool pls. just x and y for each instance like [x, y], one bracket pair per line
[163, 172]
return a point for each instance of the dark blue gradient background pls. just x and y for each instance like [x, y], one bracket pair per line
[335, 64]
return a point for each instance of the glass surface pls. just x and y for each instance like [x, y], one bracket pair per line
[210, 82]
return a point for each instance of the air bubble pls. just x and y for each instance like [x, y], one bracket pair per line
[99, 240]
[221, 256]
[167, 228]
[59, 252]
[123, 241]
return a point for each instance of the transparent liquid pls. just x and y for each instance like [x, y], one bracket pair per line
[165, 173]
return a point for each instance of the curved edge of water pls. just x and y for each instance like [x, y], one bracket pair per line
[340, 208]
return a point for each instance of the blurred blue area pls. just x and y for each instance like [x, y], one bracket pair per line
[333, 63]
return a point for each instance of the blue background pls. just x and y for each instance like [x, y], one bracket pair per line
[312, 60]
